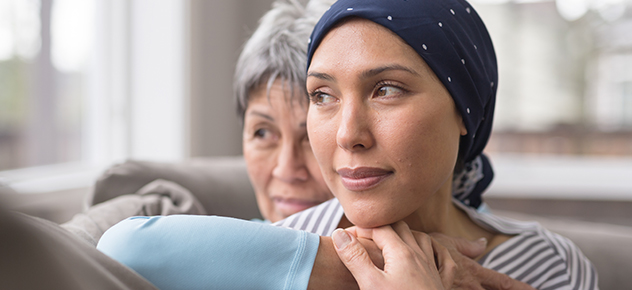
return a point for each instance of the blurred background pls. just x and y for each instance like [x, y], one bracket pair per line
[85, 84]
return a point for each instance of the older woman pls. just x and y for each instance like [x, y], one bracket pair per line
[271, 101]
[402, 99]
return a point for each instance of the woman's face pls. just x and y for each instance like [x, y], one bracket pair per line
[280, 162]
[383, 128]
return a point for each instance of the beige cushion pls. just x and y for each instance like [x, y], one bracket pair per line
[220, 184]
[39, 254]
[159, 197]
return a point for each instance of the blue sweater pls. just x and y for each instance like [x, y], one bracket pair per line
[210, 252]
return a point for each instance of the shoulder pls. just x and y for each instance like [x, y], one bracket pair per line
[135, 236]
[146, 231]
[322, 219]
[192, 252]
[539, 257]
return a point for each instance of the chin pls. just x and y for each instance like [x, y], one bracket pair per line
[364, 214]
[367, 221]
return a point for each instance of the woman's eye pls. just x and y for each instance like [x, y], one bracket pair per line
[320, 98]
[386, 91]
[261, 133]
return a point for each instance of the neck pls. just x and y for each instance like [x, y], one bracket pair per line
[439, 214]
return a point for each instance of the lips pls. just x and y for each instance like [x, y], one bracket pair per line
[290, 206]
[362, 178]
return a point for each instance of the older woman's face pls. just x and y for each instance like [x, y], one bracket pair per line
[383, 128]
[280, 162]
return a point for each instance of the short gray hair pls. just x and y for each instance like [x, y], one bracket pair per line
[277, 49]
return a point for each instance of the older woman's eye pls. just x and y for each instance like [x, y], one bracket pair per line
[386, 91]
[261, 133]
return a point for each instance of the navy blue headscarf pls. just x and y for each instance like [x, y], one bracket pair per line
[452, 39]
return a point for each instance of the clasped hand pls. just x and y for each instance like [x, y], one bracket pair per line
[415, 260]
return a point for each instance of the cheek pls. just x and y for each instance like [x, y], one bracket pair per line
[255, 174]
[322, 136]
[320, 132]
[258, 168]
[313, 167]
[427, 145]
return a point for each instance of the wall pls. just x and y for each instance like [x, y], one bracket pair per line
[218, 30]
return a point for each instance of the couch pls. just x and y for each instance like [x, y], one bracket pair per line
[221, 186]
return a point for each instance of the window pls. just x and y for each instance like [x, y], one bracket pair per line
[85, 83]
[562, 122]
[44, 55]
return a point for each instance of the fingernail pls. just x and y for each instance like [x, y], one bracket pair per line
[341, 238]
[482, 242]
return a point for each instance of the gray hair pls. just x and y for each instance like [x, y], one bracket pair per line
[277, 49]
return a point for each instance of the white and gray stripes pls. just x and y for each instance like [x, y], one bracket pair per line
[534, 255]
[321, 219]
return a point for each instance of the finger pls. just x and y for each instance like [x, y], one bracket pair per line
[493, 280]
[471, 249]
[355, 257]
[374, 252]
[386, 236]
[445, 264]
[361, 232]
[425, 243]
[404, 232]
[352, 230]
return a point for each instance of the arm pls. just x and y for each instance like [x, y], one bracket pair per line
[329, 272]
[195, 252]
[176, 250]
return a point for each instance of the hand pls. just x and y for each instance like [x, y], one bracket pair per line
[409, 260]
[330, 273]
[470, 274]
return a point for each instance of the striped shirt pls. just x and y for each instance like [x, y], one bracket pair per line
[533, 255]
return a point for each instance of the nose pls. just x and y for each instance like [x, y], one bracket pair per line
[354, 132]
[291, 166]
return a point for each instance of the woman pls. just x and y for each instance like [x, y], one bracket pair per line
[402, 95]
[272, 103]
[269, 88]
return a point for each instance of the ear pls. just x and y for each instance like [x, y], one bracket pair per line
[462, 128]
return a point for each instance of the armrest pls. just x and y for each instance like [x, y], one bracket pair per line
[39, 254]
[221, 184]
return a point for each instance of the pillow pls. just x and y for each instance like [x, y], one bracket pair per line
[221, 184]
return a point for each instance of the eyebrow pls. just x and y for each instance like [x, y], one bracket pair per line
[322, 76]
[376, 71]
[368, 73]
[262, 115]
[269, 118]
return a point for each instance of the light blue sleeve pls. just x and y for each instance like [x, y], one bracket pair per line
[210, 252]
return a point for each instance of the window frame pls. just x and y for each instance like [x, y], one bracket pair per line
[135, 104]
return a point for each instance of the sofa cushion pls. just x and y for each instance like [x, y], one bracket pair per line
[220, 184]
[39, 254]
